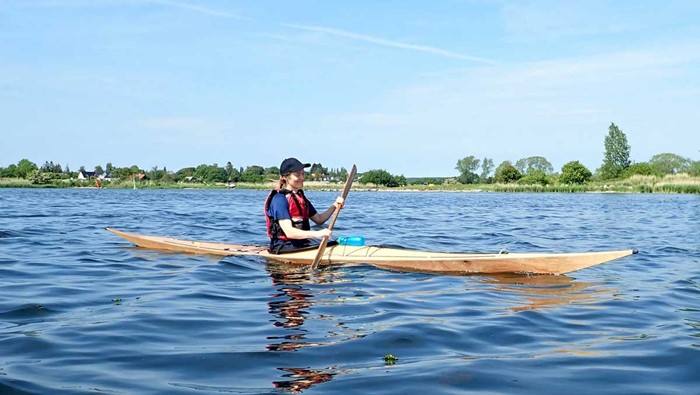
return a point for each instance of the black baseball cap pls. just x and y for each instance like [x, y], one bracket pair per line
[290, 165]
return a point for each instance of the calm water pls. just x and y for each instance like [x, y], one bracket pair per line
[82, 311]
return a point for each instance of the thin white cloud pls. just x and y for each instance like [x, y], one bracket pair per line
[390, 43]
[559, 108]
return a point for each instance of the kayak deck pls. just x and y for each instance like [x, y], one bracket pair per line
[394, 258]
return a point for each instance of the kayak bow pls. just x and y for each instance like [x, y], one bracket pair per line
[395, 258]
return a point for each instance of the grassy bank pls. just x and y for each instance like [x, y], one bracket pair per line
[680, 183]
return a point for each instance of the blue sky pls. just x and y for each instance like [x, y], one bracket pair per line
[406, 86]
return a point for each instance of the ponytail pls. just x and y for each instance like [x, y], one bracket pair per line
[280, 183]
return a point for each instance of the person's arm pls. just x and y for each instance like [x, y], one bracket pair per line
[279, 210]
[294, 233]
[321, 218]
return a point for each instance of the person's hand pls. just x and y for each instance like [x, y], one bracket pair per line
[339, 202]
[325, 232]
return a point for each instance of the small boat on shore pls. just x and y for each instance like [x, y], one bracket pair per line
[394, 258]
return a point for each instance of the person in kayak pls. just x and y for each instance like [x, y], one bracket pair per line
[288, 211]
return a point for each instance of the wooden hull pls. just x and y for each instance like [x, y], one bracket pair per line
[395, 258]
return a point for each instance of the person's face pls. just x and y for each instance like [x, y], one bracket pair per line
[296, 180]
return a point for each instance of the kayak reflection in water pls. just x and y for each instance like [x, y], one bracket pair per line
[288, 211]
[539, 292]
[303, 378]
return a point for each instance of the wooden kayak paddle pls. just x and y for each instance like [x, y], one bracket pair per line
[324, 241]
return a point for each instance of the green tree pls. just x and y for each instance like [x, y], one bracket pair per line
[121, 173]
[574, 173]
[235, 175]
[486, 169]
[317, 171]
[39, 177]
[382, 177]
[182, 174]
[157, 174]
[343, 174]
[24, 168]
[217, 174]
[10, 171]
[109, 167]
[467, 170]
[167, 177]
[527, 165]
[229, 171]
[641, 168]
[273, 171]
[210, 173]
[98, 170]
[377, 177]
[694, 169]
[534, 176]
[200, 172]
[124, 173]
[669, 163]
[398, 181]
[253, 173]
[617, 154]
[506, 173]
[67, 173]
[50, 167]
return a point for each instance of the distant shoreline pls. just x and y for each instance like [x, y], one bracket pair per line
[681, 184]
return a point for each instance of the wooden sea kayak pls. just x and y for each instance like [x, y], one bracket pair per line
[394, 258]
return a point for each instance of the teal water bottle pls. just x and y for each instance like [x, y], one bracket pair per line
[351, 241]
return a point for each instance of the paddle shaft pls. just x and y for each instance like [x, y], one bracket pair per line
[324, 241]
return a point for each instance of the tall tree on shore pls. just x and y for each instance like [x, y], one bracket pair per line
[317, 171]
[574, 173]
[25, 167]
[506, 173]
[343, 174]
[617, 154]
[528, 165]
[467, 170]
[229, 171]
[668, 163]
[486, 169]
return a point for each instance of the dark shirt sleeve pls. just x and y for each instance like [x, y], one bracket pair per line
[279, 208]
[312, 210]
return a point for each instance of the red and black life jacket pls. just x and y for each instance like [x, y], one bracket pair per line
[298, 210]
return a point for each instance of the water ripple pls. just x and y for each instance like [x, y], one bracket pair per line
[82, 311]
